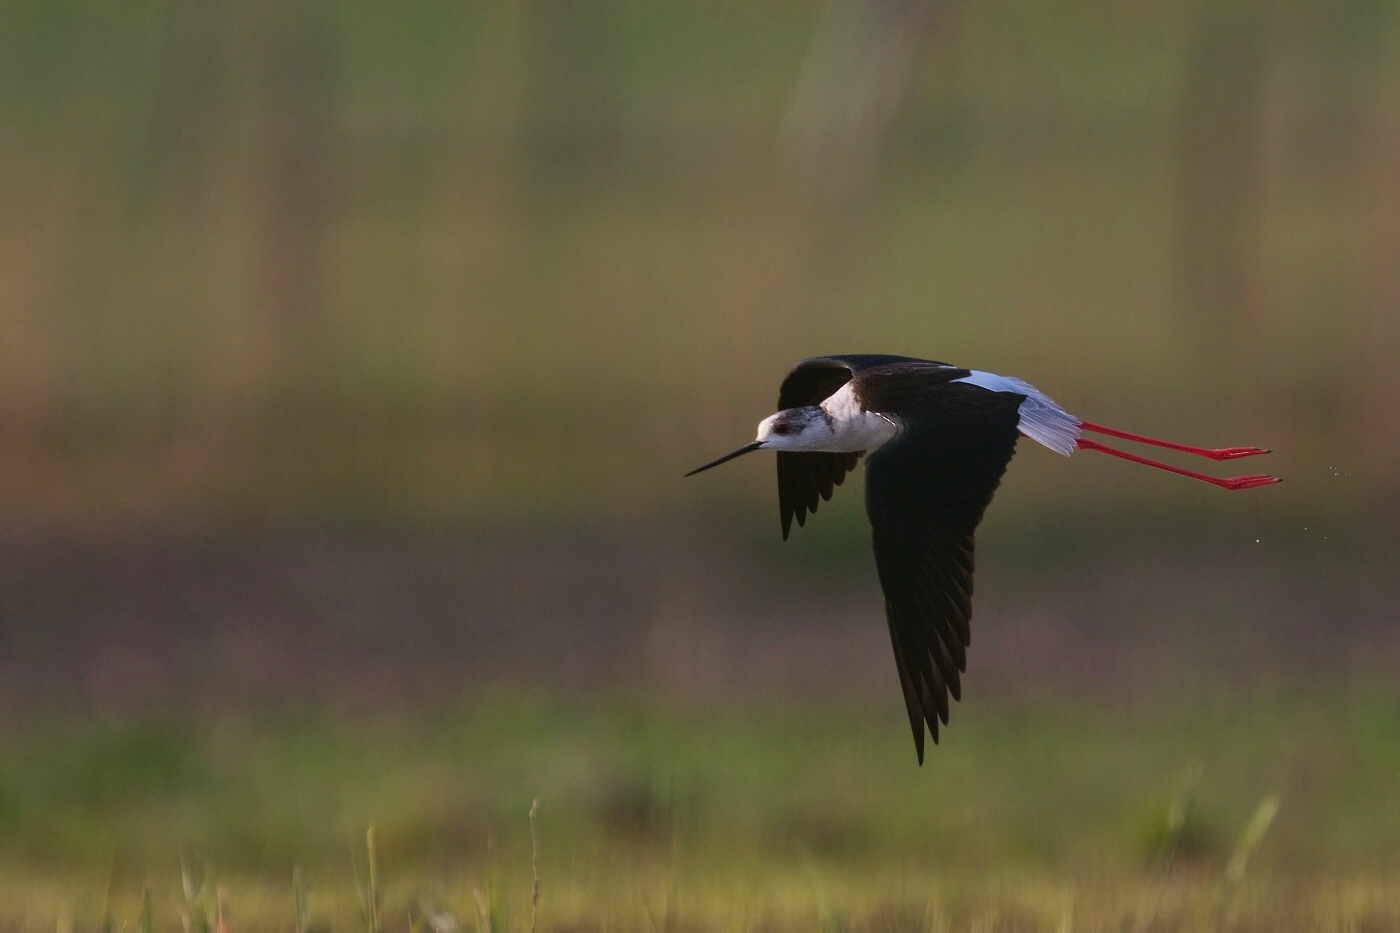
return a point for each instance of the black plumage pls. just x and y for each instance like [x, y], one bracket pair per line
[925, 492]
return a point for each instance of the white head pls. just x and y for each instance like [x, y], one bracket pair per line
[809, 428]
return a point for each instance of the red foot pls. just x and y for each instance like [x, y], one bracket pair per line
[1234, 453]
[1247, 482]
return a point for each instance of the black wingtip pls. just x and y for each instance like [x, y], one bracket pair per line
[931, 730]
[919, 742]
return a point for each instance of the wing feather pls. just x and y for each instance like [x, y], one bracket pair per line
[913, 704]
[926, 492]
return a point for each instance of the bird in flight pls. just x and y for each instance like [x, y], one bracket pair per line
[939, 438]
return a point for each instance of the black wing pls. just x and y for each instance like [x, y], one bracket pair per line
[804, 479]
[925, 492]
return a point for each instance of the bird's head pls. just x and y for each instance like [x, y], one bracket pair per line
[795, 429]
[807, 428]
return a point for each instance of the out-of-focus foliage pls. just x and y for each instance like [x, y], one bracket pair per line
[445, 262]
[750, 808]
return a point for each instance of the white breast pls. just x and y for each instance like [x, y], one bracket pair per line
[854, 429]
[1040, 418]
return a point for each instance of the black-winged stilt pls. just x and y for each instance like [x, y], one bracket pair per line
[939, 439]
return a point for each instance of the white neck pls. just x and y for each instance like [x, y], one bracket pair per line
[854, 429]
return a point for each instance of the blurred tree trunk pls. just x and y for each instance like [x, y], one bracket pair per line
[190, 107]
[298, 78]
[1221, 176]
[1380, 283]
[171, 198]
[855, 76]
[573, 131]
[836, 131]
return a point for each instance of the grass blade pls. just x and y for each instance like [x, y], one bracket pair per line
[372, 857]
[146, 922]
[1250, 838]
[1177, 815]
[301, 899]
[534, 867]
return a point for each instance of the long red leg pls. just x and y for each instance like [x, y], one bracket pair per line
[1224, 482]
[1214, 453]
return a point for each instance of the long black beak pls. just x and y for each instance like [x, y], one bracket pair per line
[746, 449]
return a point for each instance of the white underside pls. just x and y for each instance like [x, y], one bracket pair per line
[1041, 419]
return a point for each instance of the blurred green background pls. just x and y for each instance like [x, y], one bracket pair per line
[351, 354]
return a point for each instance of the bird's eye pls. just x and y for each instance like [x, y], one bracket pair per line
[781, 428]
